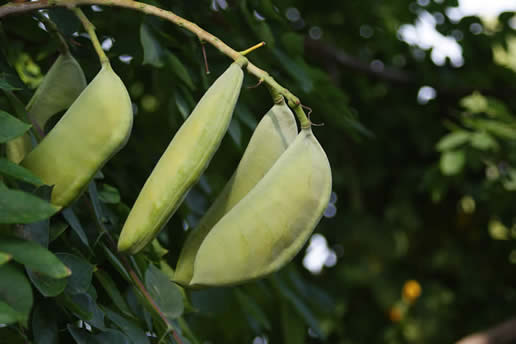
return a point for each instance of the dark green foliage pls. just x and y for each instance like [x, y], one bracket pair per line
[423, 191]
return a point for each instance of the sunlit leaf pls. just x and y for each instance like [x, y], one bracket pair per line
[34, 256]
[15, 292]
[11, 127]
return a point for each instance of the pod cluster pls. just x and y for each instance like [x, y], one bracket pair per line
[258, 222]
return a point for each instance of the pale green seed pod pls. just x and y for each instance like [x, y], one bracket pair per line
[183, 162]
[275, 132]
[62, 84]
[94, 128]
[269, 226]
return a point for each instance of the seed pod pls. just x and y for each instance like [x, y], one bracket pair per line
[183, 162]
[270, 139]
[94, 128]
[60, 87]
[268, 227]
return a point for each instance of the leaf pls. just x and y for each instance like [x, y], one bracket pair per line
[152, 50]
[73, 221]
[179, 69]
[295, 69]
[294, 329]
[37, 231]
[34, 256]
[110, 336]
[182, 105]
[82, 273]
[4, 258]
[452, 162]
[47, 286]
[483, 141]
[15, 291]
[116, 263]
[453, 140]
[44, 324]
[234, 132]
[7, 314]
[10, 169]
[110, 287]
[56, 229]
[8, 82]
[21, 207]
[109, 194]
[97, 206]
[298, 305]
[475, 103]
[85, 308]
[252, 309]
[65, 20]
[11, 127]
[165, 293]
[129, 327]
[245, 116]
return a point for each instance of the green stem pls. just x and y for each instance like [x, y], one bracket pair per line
[136, 280]
[90, 29]
[203, 35]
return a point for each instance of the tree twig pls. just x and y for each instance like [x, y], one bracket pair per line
[203, 35]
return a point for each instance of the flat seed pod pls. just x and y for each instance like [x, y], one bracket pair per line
[63, 83]
[275, 132]
[183, 162]
[94, 128]
[269, 226]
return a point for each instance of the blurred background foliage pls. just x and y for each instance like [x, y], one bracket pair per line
[416, 244]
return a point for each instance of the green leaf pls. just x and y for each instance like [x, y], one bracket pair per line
[452, 162]
[34, 256]
[294, 329]
[21, 207]
[179, 69]
[82, 273]
[298, 305]
[8, 82]
[4, 258]
[252, 309]
[235, 132]
[65, 20]
[97, 206]
[81, 336]
[47, 286]
[165, 293]
[11, 127]
[152, 50]
[474, 103]
[453, 140]
[56, 229]
[509, 182]
[129, 327]
[295, 69]
[37, 231]
[483, 141]
[182, 104]
[109, 194]
[15, 291]
[73, 221]
[85, 308]
[7, 314]
[110, 287]
[10, 169]
[44, 324]
[115, 262]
